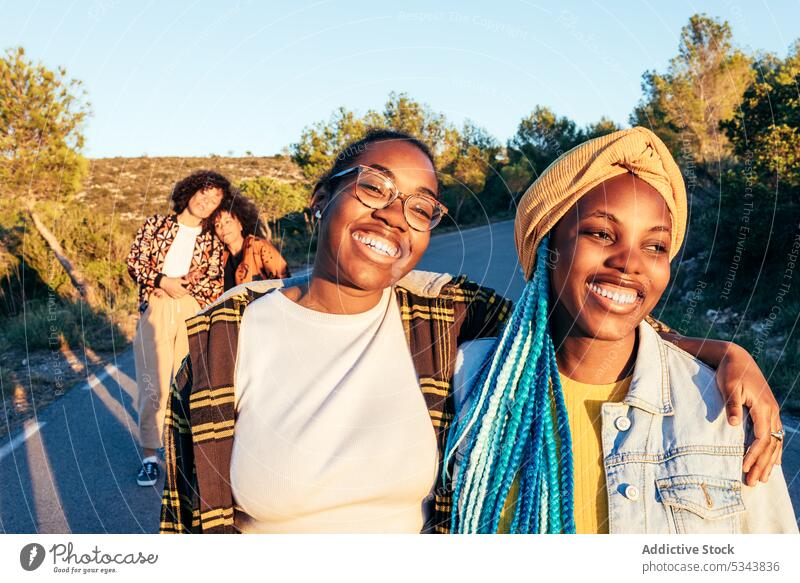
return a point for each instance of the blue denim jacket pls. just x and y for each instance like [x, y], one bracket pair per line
[672, 462]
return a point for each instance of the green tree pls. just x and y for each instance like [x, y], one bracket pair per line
[601, 127]
[543, 136]
[517, 176]
[320, 142]
[401, 113]
[702, 87]
[274, 198]
[765, 128]
[42, 113]
[469, 160]
[766, 179]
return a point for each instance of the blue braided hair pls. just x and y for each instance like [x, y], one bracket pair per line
[515, 426]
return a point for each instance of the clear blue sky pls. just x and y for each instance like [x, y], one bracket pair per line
[194, 78]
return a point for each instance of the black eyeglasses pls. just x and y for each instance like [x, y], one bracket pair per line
[377, 191]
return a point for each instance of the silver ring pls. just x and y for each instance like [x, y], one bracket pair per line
[777, 434]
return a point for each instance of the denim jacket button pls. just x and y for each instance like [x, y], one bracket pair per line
[632, 492]
[622, 423]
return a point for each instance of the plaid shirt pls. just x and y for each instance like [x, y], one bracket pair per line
[149, 249]
[438, 314]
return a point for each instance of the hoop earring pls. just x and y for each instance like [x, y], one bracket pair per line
[318, 214]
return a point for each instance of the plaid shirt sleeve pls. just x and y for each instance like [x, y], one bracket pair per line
[485, 312]
[198, 426]
[179, 501]
[463, 311]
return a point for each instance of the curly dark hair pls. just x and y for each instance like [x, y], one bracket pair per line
[353, 150]
[245, 211]
[196, 181]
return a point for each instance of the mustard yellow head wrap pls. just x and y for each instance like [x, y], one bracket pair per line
[637, 150]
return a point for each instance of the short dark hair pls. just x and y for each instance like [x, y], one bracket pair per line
[186, 188]
[245, 211]
[353, 150]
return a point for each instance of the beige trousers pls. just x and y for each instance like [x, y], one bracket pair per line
[159, 348]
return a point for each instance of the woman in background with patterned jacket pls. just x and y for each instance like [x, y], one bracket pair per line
[176, 260]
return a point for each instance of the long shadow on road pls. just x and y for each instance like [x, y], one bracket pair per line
[77, 473]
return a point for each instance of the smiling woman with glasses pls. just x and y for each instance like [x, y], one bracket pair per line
[323, 406]
[322, 403]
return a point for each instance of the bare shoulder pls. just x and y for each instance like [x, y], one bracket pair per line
[293, 293]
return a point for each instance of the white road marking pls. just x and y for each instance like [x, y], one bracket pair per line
[95, 380]
[30, 430]
[33, 428]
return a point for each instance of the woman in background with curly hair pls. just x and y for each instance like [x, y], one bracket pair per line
[248, 256]
[176, 261]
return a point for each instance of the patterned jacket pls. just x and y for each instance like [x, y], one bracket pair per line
[149, 249]
[438, 313]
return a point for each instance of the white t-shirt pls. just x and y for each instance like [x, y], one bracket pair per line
[332, 431]
[178, 261]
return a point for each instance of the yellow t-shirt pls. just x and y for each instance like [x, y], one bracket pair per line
[583, 403]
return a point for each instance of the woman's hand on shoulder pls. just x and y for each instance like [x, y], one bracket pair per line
[743, 384]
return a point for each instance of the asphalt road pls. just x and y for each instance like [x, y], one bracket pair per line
[73, 469]
[486, 254]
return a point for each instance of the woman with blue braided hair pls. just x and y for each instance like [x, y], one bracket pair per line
[580, 417]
